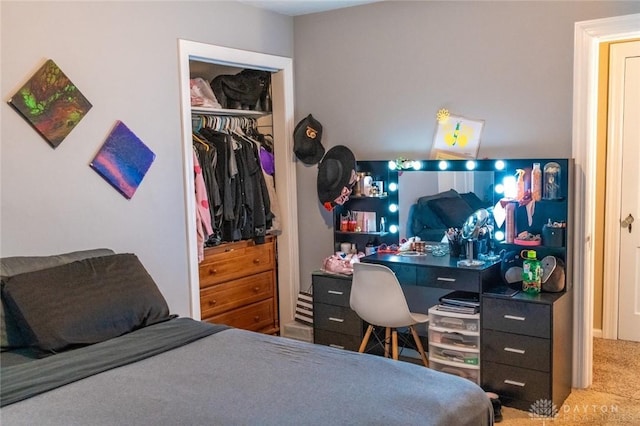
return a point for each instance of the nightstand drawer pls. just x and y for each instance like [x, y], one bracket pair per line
[516, 383]
[332, 291]
[336, 318]
[531, 319]
[516, 350]
[337, 340]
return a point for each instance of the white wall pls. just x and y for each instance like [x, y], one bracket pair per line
[123, 56]
[376, 75]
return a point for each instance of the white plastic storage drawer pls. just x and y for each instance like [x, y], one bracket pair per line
[462, 339]
[454, 321]
[454, 354]
[470, 372]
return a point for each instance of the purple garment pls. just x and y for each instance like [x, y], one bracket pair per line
[267, 161]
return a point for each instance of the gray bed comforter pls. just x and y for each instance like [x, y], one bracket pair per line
[236, 377]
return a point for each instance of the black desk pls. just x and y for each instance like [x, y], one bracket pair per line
[525, 339]
[424, 280]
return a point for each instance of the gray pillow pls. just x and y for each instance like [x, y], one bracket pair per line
[10, 336]
[84, 302]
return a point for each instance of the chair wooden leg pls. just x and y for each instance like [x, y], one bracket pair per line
[365, 339]
[419, 346]
[387, 341]
[394, 344]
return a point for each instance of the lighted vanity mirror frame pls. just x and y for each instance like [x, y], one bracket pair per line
[403, 187]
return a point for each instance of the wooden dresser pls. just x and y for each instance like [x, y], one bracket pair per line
[238, 286]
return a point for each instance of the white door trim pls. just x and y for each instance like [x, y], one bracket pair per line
[587, 37]
[283, 125]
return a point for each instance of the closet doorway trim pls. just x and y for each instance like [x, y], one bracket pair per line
[282, 101]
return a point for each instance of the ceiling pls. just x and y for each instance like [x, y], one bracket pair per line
[304, 7]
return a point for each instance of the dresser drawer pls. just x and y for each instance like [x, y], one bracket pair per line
[531, 319]
[336, 318]
[331, 291]
[517, 350]
[254, 317]
[515, 382]
[220, 298]
[337, 340]
[235, 262]
[447, 278]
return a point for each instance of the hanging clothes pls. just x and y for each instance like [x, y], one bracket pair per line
[203, 215]
[245, 209]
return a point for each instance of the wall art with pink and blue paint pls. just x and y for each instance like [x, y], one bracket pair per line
[123, 160]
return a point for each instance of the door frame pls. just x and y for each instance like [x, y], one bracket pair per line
[288, 269]
[587, 37]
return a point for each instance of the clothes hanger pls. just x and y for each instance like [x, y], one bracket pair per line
[200, 141]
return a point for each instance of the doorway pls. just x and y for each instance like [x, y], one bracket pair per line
[621, 281]
[281, 69]
[587, 37]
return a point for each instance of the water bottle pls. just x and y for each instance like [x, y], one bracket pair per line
[531, 272]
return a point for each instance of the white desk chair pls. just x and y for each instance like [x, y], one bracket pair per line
[377, 298]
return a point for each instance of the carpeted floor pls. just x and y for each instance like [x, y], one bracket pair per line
[612, 399]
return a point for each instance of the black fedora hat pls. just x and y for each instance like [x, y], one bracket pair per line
[336, 176]
[306, 140]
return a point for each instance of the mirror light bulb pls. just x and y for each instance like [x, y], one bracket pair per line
[393, 229]
[392, 165]
[499, 165]
[499, 188]
[443, 165]
[498, 235]
[510, 187]
[471, 165]
[393, 208]
[417, 165]
[393, 187]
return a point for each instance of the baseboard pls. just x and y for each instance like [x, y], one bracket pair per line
[597, 332]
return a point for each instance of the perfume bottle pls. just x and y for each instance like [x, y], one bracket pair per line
[551, 181]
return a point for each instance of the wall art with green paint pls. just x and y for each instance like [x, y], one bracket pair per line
[51, 103]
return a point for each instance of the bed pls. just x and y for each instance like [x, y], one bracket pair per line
[67, 361]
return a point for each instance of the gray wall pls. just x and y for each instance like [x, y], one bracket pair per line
[375, 76]
[123, 56]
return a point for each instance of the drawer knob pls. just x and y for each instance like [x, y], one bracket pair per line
[514, 383]
[212, 302]
[336, 346]
[213, 271]
[514, 350]
[256, 318]
[336, 319]
[451, 280]
[339, 293]
[256, 289]
[256, 261]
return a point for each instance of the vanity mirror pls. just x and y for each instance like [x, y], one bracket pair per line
[425, 198]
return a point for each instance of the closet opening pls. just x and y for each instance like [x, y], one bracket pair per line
[207, 61]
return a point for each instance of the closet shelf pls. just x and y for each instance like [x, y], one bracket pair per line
[233, 112]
